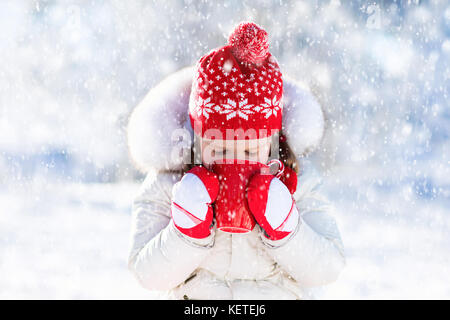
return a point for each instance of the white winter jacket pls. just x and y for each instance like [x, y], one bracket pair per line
[224, 265]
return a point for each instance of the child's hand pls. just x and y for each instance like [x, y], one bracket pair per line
[192, 213]
[272, 205]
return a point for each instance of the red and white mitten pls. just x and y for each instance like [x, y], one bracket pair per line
[289, 178]
[272, 205]
[192, 196]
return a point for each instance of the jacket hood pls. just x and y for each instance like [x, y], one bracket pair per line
[159, 127]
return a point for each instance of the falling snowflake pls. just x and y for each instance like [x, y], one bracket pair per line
[233, 109]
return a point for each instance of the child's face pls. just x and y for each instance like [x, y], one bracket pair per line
[254, 150]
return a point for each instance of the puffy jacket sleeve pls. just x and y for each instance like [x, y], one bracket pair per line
[314, 254]
[161, 257]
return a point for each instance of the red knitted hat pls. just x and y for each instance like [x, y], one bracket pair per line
[239, 87]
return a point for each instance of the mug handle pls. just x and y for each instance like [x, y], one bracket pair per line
[280, 166]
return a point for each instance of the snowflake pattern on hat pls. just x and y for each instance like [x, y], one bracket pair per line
[203, 107]
[233, 109]
[271, 107]
[228, 93]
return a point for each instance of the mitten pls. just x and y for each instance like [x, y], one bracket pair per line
[192, 196]
[272, 205]
[289, 178]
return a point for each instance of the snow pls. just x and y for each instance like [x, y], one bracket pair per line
[66, 241]
[396, 244]
[70, 241]
[71, 75]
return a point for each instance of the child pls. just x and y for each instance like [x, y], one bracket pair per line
[176, 246]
